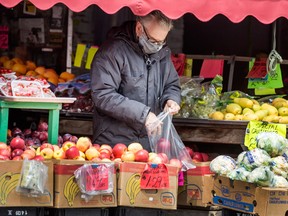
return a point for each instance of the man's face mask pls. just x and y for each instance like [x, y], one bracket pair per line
[149, 46]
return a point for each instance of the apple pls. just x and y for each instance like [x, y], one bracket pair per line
[47, 153]
[55, 147]
[164, 157]
[163, 145]
[17, 158]
[38, 158]
[117, 160]
[72, 152]
[119, 149]
[82, 154]
[190, 151]
[17, 143]
[42, 126]
[27, 132]
[73, 139]
[176, 162]
[59, 154]
[96, 159]
[134, 147]
[38, 150]
[205, 157]
[79, 158]
[46, 145]
[29, 154]
[105, 160]
[142, 155]
[16, 152]
[157, 160]
[43, 136]
[128, 156]
[197, 157]
[5, 152]
[83, 143]
[96, 145]
[4, 157]
[104, 155]
[66, 137]
[92, 153]
[3, 145]
[106, 146]
[152, 155]
[67, 144]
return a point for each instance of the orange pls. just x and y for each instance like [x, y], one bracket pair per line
[50, 73]
[67, 76]
[18, 60]
[3, 59]
[40, 70]
[9, 64]
[53, 80]
[31, 73]
[20, 68]
[60, 80]
[30, 65]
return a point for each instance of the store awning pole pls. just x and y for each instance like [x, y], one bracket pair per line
[69, 42]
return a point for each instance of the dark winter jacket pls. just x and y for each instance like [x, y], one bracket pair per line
[126, 85]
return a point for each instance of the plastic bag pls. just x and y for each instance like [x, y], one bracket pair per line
[33, 178]
[95, 179]
[168, 142]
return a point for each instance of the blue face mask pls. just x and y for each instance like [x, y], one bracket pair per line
[147, 46]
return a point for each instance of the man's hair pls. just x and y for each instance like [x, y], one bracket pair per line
[158, 16]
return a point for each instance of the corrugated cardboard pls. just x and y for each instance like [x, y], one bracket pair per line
[197, 188]
[248, 198]
[63, 170]
[11, 170]
[158, 198]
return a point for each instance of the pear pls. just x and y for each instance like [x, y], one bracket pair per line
[256, 107]
[217, 115]
[255, 102]
[244, 102]
[247, 110]
[250, 116]
[261, 114]
[229, 116]
[270, 118]
[283, 111]
[276, 100]
[279, 104]
[271, 109]
[238, 117]
[283, 119]
[234, 108]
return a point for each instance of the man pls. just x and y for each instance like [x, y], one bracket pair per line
[132, 80]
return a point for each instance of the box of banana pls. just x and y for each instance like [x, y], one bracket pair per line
[149, 188]
[10, 179]
[67, 193]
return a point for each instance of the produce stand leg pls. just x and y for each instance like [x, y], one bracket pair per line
[4, 112]
[54, 122]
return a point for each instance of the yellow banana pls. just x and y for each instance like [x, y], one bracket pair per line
[8, 183]
[133, 186]
[70, 190]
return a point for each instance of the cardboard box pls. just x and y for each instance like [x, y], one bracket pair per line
[248, 198]
[197, 188]
[64, 180]
[10, 172]
[148, 198]
[77, 212]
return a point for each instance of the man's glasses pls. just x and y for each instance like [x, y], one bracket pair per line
[151, 40]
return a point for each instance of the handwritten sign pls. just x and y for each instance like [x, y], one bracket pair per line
[255, 127]
[4, 37]
[258, 70]
[155, 176]
[97, 178]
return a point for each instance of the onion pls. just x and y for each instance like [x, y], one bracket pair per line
[42, 126]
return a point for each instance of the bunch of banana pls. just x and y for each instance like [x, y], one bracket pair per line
[71, 189]
[8, 182]
[133, 187]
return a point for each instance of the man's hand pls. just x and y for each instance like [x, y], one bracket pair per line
[172, 107]
[153, 124]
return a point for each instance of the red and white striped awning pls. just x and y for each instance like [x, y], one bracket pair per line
[266, 11]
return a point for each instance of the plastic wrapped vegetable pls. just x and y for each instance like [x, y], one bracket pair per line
[239, 173]
[262, 176]
[271, 142]
[279, 166]
[222, 165]
[279, 181]
[284, 153]
[253, 159]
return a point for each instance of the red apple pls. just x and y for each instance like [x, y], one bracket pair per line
[67, 144]
[17, 152]
[118, 150]
[128, 156]
[83, 143]
[73, 139]
[106, 146]
[104, 155]
[164, 157]
[47, 153]
[142, 156]
[97, 146]
[5, 152]
[46, 145]
[17, 158]
[176, 162]
[197, 157]
[205, 157]
[38, 158]
[42, 126]
[4, 157]
[17, 143]
[59, 154]
[163, 145]
[134, 147]
[55, 147]
[190, 151]
[92, 153]
[66, 137]
[72, 152]
[105, 160]
[29, 154]
[43, 136]
[3, 145]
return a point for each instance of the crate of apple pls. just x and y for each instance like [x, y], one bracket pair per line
[196, 155]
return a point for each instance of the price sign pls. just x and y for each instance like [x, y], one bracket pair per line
[258, 70]
[97, 177]
[4, 37]
[155, 176]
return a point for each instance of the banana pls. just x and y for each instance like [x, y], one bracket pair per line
[8, 182]
[71, 189]
[133, 187]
